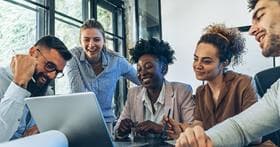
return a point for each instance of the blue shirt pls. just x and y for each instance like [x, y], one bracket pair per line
[82, 77]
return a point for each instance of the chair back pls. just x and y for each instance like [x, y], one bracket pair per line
[264, 80]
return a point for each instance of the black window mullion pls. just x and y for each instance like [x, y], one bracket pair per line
[159, 15]
[137, 19]
[115, 30]
[50, 17]
[40, 20]
[23, 5]
[93, 9]
[50, 26]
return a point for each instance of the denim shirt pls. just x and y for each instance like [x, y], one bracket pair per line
[82, 77]
[26, 123]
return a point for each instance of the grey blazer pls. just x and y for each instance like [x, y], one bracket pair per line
[178, 98]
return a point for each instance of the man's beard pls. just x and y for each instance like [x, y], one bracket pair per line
[274, 43]
[34, 88]
[274, 48]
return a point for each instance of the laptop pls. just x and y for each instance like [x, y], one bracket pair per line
[77, 115]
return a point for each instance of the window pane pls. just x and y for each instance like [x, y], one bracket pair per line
[149, 25]
[109, 42]
[71, 8]
[105, 18]
[17, 29]
[68, 32]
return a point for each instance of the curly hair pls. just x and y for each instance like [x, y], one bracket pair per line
[157, 48]
[230, 43]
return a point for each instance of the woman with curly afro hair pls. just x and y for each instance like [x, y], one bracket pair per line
[147, 104]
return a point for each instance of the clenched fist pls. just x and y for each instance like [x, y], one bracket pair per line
[23, 68]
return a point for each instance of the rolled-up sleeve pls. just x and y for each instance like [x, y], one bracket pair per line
[11, 110]
[73, 75]
[129, 72]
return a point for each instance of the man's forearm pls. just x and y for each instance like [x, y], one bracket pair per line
[11, 110]
[256, 121]
[9, 119]
[226, 134]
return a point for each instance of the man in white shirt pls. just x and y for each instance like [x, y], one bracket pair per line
[28, 76]
[261, 118]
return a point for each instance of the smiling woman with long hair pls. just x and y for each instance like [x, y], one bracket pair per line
[97, 69]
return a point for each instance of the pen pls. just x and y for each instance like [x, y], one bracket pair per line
[32, 78]
[168, 112]
[164, 131]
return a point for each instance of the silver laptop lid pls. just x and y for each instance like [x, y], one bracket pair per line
[77, 115]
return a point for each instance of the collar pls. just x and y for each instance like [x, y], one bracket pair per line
[227, 79]
[229, 76]
[160, 99]
[103, 57]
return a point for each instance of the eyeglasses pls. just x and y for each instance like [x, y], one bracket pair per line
[50, 66]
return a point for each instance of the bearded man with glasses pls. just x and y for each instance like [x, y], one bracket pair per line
[28, 76]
